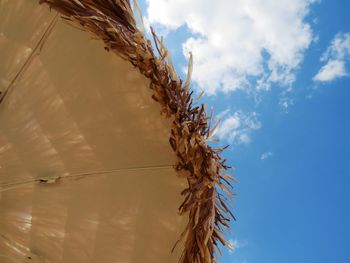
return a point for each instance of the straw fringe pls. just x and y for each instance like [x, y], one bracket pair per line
[113, 22]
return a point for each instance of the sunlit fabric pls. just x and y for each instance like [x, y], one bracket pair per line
[85, 164]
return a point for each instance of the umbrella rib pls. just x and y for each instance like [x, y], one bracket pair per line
[35, 52]
[80, 175]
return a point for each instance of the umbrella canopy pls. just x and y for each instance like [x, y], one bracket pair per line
[86, 169]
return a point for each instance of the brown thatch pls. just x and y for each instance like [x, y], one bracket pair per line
[113, 22]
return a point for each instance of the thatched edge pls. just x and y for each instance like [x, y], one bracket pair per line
[209, 188]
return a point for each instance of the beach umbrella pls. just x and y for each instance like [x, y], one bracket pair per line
[104, 154]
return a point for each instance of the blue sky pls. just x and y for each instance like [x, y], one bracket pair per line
[277, 73]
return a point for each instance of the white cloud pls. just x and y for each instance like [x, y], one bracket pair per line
[285, 103]
[235, 40]
[266, 155]
[336, 57]
[332, 70]
[234, 244]
[237, 127]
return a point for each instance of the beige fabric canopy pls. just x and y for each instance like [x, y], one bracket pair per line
[86, 169]
[85, 120]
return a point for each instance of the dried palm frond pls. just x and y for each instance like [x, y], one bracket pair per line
[112, 21]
